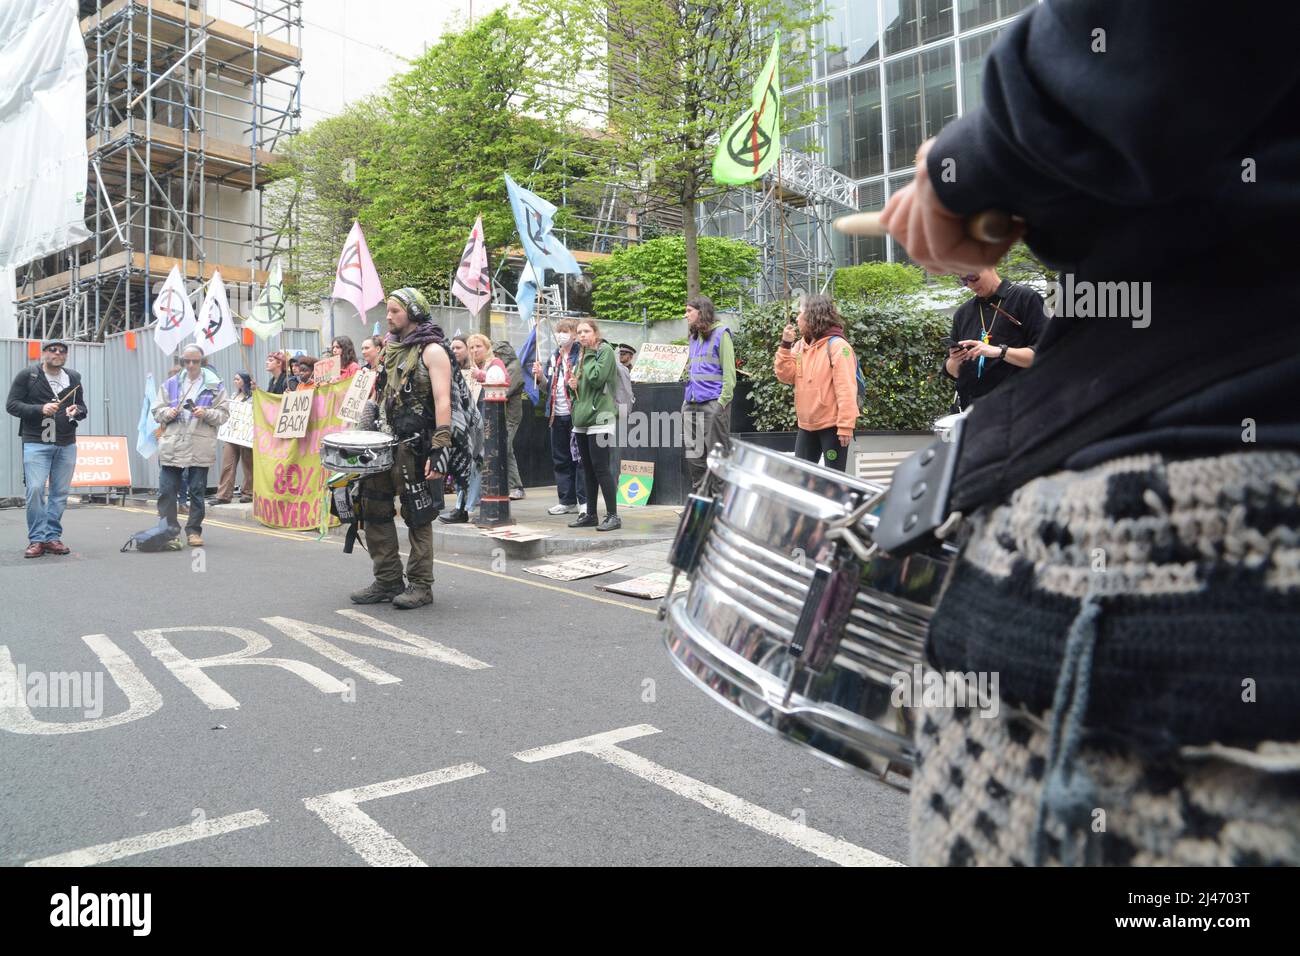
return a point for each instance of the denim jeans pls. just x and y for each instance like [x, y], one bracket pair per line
[570, 483]
[41, 463]
[467, 498]
[169, 486]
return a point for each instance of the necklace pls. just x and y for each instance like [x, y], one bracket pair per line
[985, 332]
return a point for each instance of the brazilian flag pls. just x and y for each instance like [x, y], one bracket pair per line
[753, 143]
[634, 489]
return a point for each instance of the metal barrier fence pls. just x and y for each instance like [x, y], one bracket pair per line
[113, 377]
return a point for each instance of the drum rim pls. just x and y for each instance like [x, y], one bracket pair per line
[885, 745]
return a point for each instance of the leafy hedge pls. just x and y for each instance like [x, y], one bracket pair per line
[873, 279]
[899, 349]
[652, 275]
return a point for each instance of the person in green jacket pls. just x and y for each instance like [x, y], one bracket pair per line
[591, 388]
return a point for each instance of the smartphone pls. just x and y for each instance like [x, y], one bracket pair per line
[951, 344]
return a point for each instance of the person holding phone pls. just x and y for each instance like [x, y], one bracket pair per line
[818, 361]
[191, 406]
[994, 334]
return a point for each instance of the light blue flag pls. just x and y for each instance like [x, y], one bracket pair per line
[533, 218]
[526, 297]
[146, 442]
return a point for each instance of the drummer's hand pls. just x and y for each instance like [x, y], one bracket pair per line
[789, 333]
[934, 237]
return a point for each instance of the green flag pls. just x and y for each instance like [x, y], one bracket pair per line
[267, 317]
[753, 143]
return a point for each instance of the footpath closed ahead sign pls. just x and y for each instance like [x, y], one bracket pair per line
[102, 462]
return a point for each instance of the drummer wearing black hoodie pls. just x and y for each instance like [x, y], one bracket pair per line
[1129, 561]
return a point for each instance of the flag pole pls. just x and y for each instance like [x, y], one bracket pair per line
[780, 205]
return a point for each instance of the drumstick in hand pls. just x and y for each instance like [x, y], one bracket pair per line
[991, 225]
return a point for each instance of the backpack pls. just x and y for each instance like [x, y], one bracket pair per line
[857, 371]
[158, 538]
[622, 386]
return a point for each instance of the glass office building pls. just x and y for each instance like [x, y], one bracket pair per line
[888, 74]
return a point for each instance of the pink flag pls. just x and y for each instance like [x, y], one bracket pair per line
[472, 285]
[356, 279]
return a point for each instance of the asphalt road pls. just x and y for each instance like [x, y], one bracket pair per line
[432, 744]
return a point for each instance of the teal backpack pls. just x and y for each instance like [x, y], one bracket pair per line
[857, 371]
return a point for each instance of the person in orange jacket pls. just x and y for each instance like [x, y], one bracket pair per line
[823, 370]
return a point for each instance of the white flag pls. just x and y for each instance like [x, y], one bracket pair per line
[175, 315]
[216, 328]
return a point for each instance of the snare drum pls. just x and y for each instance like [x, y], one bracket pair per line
[785, 624]
[358, 452]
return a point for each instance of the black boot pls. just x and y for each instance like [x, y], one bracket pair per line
[454, 516]
[585, 521]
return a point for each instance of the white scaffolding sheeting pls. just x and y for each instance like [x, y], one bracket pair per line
[42, 101]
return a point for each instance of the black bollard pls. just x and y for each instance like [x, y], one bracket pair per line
[494, 502]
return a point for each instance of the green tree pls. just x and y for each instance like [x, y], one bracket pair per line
[874, 279]
[675, 74]
[429, 155]
[651, 276]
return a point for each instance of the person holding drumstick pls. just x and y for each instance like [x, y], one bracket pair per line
[1116, 571]
[823, 370]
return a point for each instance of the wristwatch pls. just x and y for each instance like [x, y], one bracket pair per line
[1003, 356]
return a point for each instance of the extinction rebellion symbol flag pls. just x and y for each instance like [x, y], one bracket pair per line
[752, 145]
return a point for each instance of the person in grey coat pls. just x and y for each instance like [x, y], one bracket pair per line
[191, 406]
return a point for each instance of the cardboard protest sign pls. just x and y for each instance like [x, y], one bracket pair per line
[102, 462]
[288, 479]
[238, 429]
[514, 532]
[635, 479]
[650, 586]
[354, 400]
[657, 362]
[576, 569]
[325, 370]
[295, 411]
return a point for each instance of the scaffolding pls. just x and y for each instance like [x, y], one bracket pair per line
[184, 113]
[788, 217]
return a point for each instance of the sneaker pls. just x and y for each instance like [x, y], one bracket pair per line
[57, 547]
[194, 539]
[516, 494]
[585, 521]
[413, 597]
[376, 594]
[35, 549]
[611, 523]
[454, 516]
[562, 509]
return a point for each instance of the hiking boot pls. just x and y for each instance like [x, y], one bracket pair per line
[454, 516]
[611, 523]
[376, 594]
[194, 539]
[585, 521]
[35, 549]
[57, 547]
[413, 597]
[562, 509]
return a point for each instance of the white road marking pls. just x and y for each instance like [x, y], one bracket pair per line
[190, 671]
[161, 839]
[605, 747]
[358, 830]
[141, 697]
[407, 643]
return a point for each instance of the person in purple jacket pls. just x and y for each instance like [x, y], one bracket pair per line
[711, 382]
